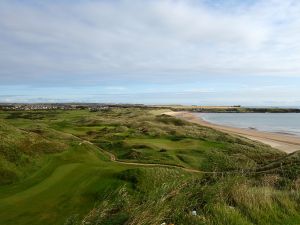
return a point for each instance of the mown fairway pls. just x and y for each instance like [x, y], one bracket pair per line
[67, 183]
[54, 169]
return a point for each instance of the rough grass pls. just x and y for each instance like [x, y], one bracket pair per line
[69, 183]
[50, 176]
[20, 149]
[165, 140]
[216, 199]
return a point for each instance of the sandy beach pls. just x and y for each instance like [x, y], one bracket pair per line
[284, 142]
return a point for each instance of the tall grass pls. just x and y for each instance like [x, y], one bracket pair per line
[263, 188]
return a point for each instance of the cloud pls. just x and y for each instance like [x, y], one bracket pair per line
[100, 41]
[138, 47]
[199, 24]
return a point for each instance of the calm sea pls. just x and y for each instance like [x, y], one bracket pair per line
[271, 122]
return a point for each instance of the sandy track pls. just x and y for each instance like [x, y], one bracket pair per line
[113, 158]
[283, 142]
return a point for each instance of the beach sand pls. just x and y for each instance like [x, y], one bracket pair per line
[284, 142]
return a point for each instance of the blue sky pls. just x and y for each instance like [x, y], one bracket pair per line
[205, 52]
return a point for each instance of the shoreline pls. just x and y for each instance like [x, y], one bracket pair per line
[283, 142]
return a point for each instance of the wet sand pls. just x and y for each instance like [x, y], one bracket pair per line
[284, 142]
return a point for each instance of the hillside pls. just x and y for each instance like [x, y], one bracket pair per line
[73, 167]
[21, 148]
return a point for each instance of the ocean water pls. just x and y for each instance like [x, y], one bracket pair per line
[271, 122]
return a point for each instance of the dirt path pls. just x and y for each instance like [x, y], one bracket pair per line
[284, 142]
[113, 158]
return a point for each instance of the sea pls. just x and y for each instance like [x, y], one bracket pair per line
[287, 123]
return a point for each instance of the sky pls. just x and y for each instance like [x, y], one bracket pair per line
[200, 52]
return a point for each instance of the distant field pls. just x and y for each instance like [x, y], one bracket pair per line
[54, 169]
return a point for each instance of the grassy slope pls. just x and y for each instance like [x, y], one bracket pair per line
[69, 180]
[69, 183]
[141, 136]
[70, 176]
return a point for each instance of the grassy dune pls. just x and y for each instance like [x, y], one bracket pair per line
[69, 182]
[53, 171]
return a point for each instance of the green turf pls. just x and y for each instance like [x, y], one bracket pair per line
[50, 174]
[69, 184]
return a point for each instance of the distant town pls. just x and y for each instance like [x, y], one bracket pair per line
[63, 106]
[94, 107]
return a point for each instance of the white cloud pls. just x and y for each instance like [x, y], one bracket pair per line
[101, 40]
[199, 24]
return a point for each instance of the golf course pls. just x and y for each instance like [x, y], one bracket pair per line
[138, 166]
